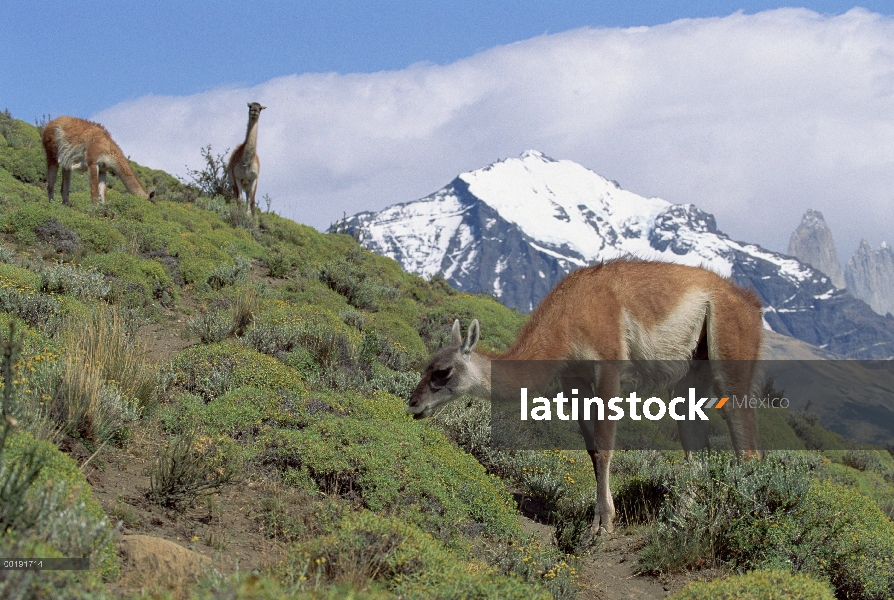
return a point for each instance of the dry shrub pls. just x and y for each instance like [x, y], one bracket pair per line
[85, 405]
[189, 467]
[103, 340]
[95, 390]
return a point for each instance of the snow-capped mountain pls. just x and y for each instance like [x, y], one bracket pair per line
[516, 227]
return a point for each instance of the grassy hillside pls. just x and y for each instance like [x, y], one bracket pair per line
[237, 385]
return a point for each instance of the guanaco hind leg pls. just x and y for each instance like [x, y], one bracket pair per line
[52, 170]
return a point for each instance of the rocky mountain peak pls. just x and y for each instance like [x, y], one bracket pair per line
[812, 243]
[870, 276]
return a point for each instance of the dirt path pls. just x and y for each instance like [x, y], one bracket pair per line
[611, 571]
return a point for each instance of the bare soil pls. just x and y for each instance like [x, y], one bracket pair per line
[611, 570]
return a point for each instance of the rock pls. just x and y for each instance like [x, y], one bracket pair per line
[870, 276]
[146, 559]
[812, 243]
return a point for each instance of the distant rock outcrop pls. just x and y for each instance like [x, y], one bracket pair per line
[870, 276]
[812, 243]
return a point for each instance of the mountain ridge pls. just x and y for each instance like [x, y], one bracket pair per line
[516, 227]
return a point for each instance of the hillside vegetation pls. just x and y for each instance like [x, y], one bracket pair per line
[167, 363]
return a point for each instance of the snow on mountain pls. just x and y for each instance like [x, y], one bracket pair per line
[516, 227]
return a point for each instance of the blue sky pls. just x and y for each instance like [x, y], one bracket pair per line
[754, 117]
[81, 57]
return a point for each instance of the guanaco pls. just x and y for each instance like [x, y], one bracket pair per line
[73, 143]
[622, 310]
[243, 167]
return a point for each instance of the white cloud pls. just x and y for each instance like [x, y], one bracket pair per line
[752, 117]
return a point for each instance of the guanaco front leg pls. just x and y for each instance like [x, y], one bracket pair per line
[66, 185]
[601, 452]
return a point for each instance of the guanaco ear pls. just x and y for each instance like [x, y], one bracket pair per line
[456, 334]
[263, 107]
[471, 339]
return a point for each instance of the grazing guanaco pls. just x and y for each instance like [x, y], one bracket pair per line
[244, 166]
[73, 143]
[622, 310]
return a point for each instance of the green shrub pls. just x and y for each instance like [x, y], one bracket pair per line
[499, 325]
[400, 384]
[83, 404]
[96, 389]
[769, 514]
[66, 228]
[215, 325]
[240, 216]
[279, 264]
[643, 479]
[842, 537]
[353, 318]
[210, 370]
[6, 255]
[393, 465]
[875, 485]
[137, 281]
[284, 327]
[28, 165]
[757, 585]
[84, 284]
[18, 134]
[357, 285]
[814, 436]
[293, 514]
[864, 460]
[224, 275]
[726, 498]
[57, 518]
[242, 414]
[216, 203]
[19, 297]
[561, 482]
[399, 346]
[21, 153]
[408, 562]
[105, 337]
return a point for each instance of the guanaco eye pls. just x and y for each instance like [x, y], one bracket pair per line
[439, 377]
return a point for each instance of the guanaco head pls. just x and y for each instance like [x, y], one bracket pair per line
[452, 372]
[254, 110]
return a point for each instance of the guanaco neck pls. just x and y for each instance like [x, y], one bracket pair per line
[528, 346]
[127, 177]
[251, 142]
[480, 366]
